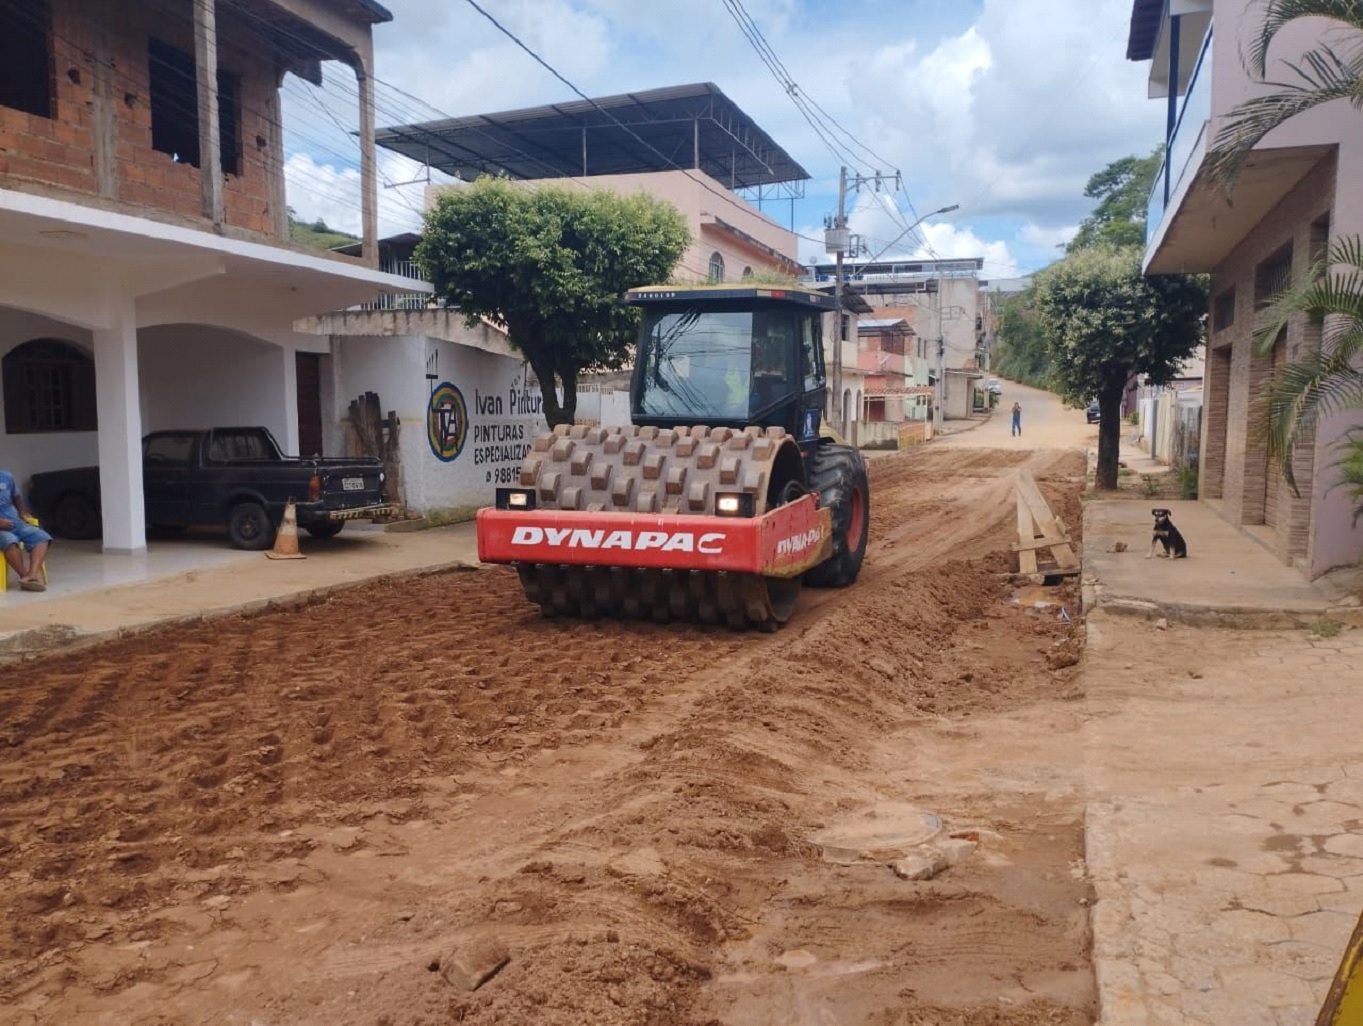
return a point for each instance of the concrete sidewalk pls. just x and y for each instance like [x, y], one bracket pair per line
[1227, 579]
[1224, 777]
[1223, 772]
[247, 583]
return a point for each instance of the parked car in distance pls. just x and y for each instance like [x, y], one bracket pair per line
[994, 387]
[1092, 413]
[237, 478]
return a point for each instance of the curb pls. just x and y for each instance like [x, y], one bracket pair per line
[1234, 617]
[989, 415]
[26, 644]
[1116, 977]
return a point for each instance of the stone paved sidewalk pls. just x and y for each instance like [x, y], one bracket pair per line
[1225, 828]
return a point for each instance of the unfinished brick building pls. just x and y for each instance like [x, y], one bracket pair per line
[146, 277]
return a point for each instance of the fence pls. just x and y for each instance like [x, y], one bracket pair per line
[1171, 426]
[1185, 438]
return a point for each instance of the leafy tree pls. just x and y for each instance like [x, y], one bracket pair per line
[1105, 322]
[1021, 353]
[551, 264]
[1122, 190]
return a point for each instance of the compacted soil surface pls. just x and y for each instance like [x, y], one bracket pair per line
[353, 812]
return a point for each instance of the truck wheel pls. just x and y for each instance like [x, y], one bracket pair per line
[76, 516]
[324, 531]
[838, 474]
[250, 527]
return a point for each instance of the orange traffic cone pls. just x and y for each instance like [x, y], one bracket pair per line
[286, 539]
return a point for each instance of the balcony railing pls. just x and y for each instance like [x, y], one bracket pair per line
[1188, 132]
[401, 300]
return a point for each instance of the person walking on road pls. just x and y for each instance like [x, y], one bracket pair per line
[1017, 418]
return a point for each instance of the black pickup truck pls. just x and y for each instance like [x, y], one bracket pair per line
[233, 477]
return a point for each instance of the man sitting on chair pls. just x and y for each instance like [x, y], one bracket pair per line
[25, 545]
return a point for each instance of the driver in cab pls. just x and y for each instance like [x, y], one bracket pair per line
[771, 352]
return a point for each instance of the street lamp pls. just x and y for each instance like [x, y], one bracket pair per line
[944, 210]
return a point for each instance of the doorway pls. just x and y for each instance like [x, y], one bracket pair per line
[309, 372]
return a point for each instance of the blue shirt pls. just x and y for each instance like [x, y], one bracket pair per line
[9, 489]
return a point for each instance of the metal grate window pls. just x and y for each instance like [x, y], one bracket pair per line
[49, 386]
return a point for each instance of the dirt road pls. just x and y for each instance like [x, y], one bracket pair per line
[1046, 424]
[324, 817]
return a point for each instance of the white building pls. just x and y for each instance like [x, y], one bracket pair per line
[146, 278]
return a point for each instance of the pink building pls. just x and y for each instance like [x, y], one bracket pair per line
[1302, 186]
[885, 357]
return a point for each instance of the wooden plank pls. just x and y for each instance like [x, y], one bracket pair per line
[1036, 502]
[1026, 532]
[1040, 543]
[1046, 521]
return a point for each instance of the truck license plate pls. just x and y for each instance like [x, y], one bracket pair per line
[352, 484]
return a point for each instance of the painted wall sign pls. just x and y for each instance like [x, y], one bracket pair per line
[504, 426]
[447, 422]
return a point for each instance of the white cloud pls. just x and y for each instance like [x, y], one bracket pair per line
[319, 190]
[1000, 106]
[948, 242]
[1048, 238]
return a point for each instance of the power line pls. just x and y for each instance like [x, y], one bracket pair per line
[788, 85]
[731, 200]
[803, 101]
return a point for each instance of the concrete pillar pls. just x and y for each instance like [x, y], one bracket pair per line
[104, 105]
[369, 172]
[120, 433]
[274, 160]
[206, 73]
[289, 438]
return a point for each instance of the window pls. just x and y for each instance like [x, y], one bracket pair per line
[175, 107]
[716, 267]
[229, 121]
[230, 446]
[176, 448]
[1272, 276]
[747, 273]
[1320, 238]
[26, 56]
[49, 386]
[1223, 310]
[811, 341]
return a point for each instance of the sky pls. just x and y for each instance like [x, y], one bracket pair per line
[1003, 107]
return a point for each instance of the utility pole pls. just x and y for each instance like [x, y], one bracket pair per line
[835, 241]
[940, 398]
[838, 241]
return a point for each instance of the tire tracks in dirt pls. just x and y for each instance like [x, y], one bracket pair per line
[309, 799]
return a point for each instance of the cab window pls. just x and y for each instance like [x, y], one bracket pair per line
[168, 448]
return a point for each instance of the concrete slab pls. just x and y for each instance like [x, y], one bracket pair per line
[157, 589]
[1227, 579]
[1225, 785]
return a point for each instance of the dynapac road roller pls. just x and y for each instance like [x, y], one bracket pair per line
[721, 497]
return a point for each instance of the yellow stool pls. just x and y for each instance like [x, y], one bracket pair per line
[4, 578]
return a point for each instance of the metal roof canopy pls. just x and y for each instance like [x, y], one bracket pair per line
[1146, 16]
[689, 126]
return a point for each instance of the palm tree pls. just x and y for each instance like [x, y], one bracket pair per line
[1328, 380]
[1323, 74]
